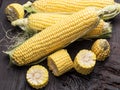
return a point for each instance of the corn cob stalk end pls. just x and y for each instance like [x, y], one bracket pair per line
[109, 11]
[101, 48]
[28, 7]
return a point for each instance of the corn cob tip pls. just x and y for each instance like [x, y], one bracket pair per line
[14, 11]
[101, 48]
[107, 30]
[85, 61]
[37, 76]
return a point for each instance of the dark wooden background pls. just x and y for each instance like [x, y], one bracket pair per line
[106, 75]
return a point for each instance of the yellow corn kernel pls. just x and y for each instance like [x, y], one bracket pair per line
[85, 61]
[37, 76]
[101, 48]
[68, 5]
[60, 62]
[14, 11]
[55, 37]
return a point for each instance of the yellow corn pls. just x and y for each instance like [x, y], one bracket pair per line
[40, 21]
[60, 62]
[85, 61]
[37, 76]
[68, 5]
[14, 11]
[101, 48]
[55, 37]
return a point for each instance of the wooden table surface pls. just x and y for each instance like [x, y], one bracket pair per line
[106, 75]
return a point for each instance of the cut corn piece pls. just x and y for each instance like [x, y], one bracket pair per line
[55, 37]
[60, 62]
[37, 76]
[85, 61]
[101, 48]
[14, 11]
[40, 21]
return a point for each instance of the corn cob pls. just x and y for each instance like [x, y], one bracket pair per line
[68, 5]
[14, 11]
[40, 21]
[85, 61]
[60, 62]
[55, 37]
[73, 6]
[37, 76]
[101, 48]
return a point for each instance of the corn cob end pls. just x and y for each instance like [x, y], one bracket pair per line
[14, 11]
[37, 76]
[85, 61]
[101, 48]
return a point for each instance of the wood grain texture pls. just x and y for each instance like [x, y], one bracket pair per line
[106, 75]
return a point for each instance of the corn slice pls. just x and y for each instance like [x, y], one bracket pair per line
[37, 76]
[101, 48]
[60, 62]
[14, 11]
[85, 61]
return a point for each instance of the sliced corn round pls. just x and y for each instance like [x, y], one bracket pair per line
[60, 62]
[37, 76]
[14, 11]
[101, 48]
[84, 62]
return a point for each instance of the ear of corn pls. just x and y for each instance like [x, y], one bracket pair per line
[60, 62]
[101, 48]
[84, 62]
[68, 5]
[55, 37]
[40, 21]
[37, 76]
[14, 11]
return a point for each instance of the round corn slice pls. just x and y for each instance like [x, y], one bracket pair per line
[84, 62]
[60, 62]
[37, 76]
[14, 11]
[101, 48]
